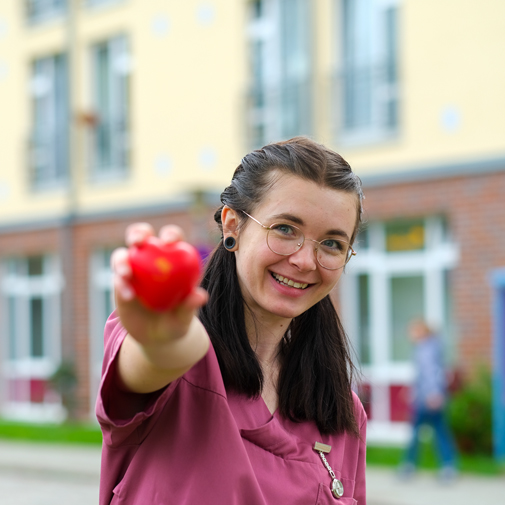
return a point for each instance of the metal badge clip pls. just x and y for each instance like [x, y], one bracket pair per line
[337, 488]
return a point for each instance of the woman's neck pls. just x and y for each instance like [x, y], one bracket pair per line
[265, 337]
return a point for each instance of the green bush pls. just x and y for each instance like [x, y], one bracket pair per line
[470, 415]
[64, 382]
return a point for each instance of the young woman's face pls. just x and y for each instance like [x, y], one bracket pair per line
[320, 213]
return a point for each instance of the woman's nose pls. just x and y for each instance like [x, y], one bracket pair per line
[305, 258]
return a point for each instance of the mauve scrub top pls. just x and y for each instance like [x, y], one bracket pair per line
[195, 443]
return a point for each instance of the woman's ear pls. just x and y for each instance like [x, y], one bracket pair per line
[230, 222]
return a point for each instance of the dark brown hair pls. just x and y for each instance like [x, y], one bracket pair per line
[316, 368]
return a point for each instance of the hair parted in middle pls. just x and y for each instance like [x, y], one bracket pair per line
[316, 368]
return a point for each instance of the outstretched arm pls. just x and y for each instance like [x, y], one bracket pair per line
[160, 346]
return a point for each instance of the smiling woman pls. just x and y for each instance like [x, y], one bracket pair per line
[257, 385]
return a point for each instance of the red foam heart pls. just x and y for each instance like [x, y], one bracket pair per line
[163, 274]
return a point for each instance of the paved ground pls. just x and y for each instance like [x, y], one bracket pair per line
[385, 488]
[50, 474]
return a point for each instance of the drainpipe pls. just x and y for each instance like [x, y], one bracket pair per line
[69, 213]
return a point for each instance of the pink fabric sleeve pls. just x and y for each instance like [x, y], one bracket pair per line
[112, 399]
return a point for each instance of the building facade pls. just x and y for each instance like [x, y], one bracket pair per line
[123, 110]
[114, 111]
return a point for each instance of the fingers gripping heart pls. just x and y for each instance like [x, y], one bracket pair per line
[163, 274]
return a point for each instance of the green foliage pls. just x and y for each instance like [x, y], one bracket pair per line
[64, 382]
[470, 415]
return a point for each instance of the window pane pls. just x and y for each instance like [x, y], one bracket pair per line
[49, 135]
[364, 319]
[357, 79]
[37, 328]
[405, 236]
[111, 85]
[40, 9]
[257, 7]
[407, 303]
[60, 135]
[391, 101]
[294, 89]
[12, 327]
[107, 304]
[257, 73]
[35, 265]
[103, 141]
[369, 74]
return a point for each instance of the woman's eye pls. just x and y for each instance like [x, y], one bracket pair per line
[284, 229]
[334, 245]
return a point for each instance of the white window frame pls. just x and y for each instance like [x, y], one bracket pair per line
[23, 366]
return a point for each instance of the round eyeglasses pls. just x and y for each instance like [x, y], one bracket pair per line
[286, 239]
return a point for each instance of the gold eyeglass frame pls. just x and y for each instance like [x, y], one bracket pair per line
[269, 228]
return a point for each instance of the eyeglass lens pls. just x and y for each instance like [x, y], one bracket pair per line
[287, 239]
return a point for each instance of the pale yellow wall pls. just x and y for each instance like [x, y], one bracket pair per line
[187, 92]
[451, 56]
[188, 95]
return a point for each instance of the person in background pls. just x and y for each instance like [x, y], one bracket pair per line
[429, 397]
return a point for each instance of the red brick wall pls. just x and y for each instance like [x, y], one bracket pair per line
[475, 210]
[86, 237]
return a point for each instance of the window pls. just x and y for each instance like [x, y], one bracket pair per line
[42, 10]
[110, 146]
[49, 136]
[407, 304]
[31, 289]
[280, 94]
[369, 73]
[401, 272]
[101, 298]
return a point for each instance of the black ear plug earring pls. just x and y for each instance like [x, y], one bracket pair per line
[229, 243]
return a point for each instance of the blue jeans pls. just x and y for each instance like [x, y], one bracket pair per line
[443, 437]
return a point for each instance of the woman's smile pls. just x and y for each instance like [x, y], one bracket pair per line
[285, 281]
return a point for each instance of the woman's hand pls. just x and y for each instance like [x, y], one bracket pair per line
[160, 346]
[144, 325]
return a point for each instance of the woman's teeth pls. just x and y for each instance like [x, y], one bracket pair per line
[289, 282]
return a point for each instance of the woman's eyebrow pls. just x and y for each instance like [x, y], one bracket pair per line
[297, 220]
[339, 233]
[288, 217]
